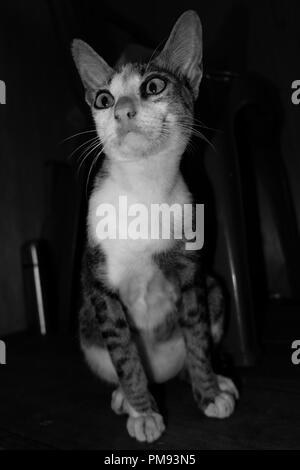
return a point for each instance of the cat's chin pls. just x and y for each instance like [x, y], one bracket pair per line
[134, 140]
[134, 145]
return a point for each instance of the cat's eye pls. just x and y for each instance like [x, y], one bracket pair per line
[104, 100]
[155, 86]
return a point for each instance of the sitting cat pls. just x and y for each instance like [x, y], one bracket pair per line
[149, 310]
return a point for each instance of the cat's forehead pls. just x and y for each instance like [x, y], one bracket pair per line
[127, 80]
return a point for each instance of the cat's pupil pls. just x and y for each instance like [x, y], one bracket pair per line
[152, 88]
[104, 101]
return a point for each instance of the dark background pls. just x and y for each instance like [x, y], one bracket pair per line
[49, 398]
[45, 104]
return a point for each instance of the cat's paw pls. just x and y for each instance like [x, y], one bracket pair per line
[146, 428]
[224, 403]
[221, 407]
[143, 427]
[226, 385]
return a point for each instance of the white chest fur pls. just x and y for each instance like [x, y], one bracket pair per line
[130, 267]
[124, 254]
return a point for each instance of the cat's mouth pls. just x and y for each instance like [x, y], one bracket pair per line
[139, 139]
[128, 131]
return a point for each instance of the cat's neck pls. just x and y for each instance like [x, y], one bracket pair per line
[154, 177]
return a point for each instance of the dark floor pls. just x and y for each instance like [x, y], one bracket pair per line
[49, 399]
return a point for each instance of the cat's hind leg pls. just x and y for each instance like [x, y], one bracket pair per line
[216, 308]
[119, 404]
[100, 363]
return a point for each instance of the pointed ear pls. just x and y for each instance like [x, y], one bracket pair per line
[183, 49]
[93, 70]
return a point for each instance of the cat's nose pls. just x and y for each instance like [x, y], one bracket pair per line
[125, 109]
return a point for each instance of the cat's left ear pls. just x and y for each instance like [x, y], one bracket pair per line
[93, 70]
[183, 49]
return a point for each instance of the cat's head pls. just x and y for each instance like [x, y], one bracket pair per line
[144, 109]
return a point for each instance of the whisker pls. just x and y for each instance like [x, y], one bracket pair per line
[82, 145]
[197, 133]
[86, 153]
[94, 147]
[196, 123]
[90, 170]
[75, 135]
[204, 126]
[202, 136]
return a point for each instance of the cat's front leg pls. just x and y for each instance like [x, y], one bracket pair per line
[133, 397]
[214, 394]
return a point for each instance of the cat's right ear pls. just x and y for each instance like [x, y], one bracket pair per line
[93, 70]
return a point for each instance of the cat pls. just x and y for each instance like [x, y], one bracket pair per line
[149, 310]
